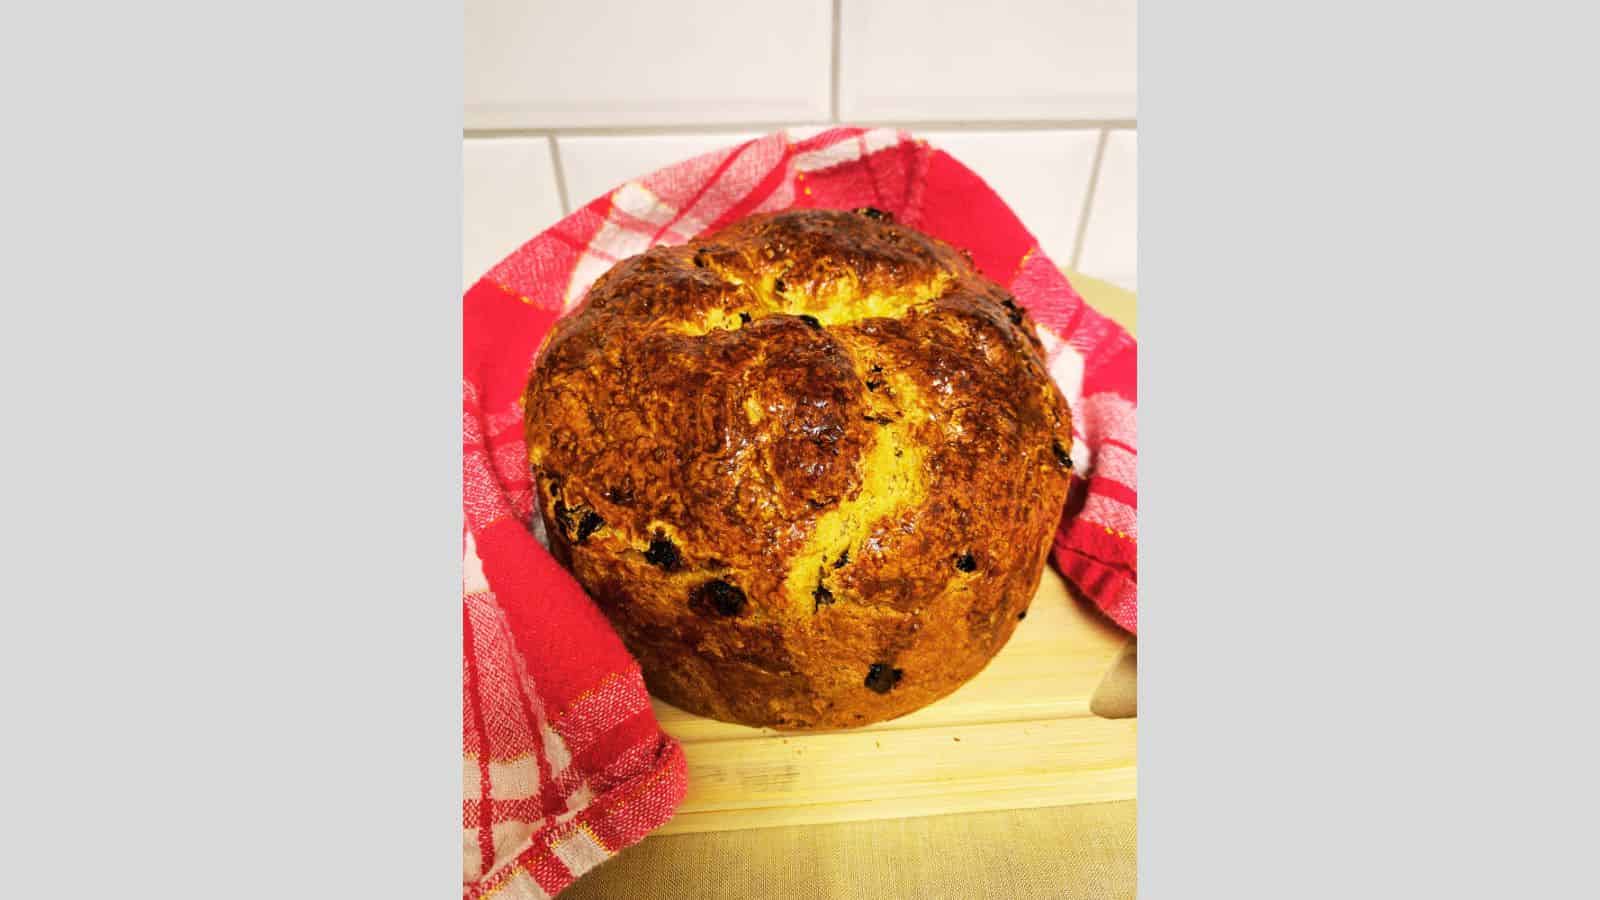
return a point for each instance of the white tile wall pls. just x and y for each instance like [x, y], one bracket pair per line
[1111, 241]
[584, 96]
[543, 63]
[1007, 59]
[509, 194]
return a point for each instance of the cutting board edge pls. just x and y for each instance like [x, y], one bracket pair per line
[1109, 785]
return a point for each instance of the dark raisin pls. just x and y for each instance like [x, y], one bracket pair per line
[699, 259]
[875, 214]
[822, 596]
[622, 494]
[875, 369]
[1013, 311]
[744, 318]
[811, 320]
[1022, 615]
[719, 596]
[843, 558]
[779, 286]
[873, 385]
[881, 678]
[1061, 455]
[563, 522]
[589, 524]
[663, 553]
[966, 562]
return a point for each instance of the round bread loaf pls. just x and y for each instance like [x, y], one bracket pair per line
[810, 467]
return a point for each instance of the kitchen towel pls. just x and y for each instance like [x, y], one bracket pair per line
[564, 763]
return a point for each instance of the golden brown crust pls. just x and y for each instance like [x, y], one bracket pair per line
[810, 467]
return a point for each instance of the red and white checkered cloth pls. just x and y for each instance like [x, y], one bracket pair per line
[564, 762]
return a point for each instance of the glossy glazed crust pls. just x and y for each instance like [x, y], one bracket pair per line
[810, 467]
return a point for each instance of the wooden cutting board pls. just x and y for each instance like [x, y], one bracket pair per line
[1021, 734]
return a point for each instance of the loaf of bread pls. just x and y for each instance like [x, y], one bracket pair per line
[810, 467]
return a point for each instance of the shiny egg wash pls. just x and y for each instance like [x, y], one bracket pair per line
[809, 467]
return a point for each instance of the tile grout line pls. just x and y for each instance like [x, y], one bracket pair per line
[561, 176]
[1088, 199]
[833, 66]
[1003, 125]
